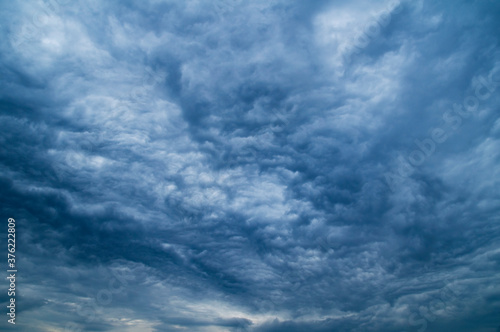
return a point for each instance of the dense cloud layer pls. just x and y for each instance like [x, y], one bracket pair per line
[252, 165]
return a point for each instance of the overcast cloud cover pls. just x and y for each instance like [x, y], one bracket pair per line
[252, 165]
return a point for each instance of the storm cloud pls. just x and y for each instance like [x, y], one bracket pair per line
[252, 165]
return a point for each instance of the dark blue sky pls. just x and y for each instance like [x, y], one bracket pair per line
[256, 166]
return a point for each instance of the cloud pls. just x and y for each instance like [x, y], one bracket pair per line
[234, 166]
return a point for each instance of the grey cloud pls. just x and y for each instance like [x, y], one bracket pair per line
[229, 160]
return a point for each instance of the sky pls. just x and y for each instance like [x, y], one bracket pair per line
[257, 166]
